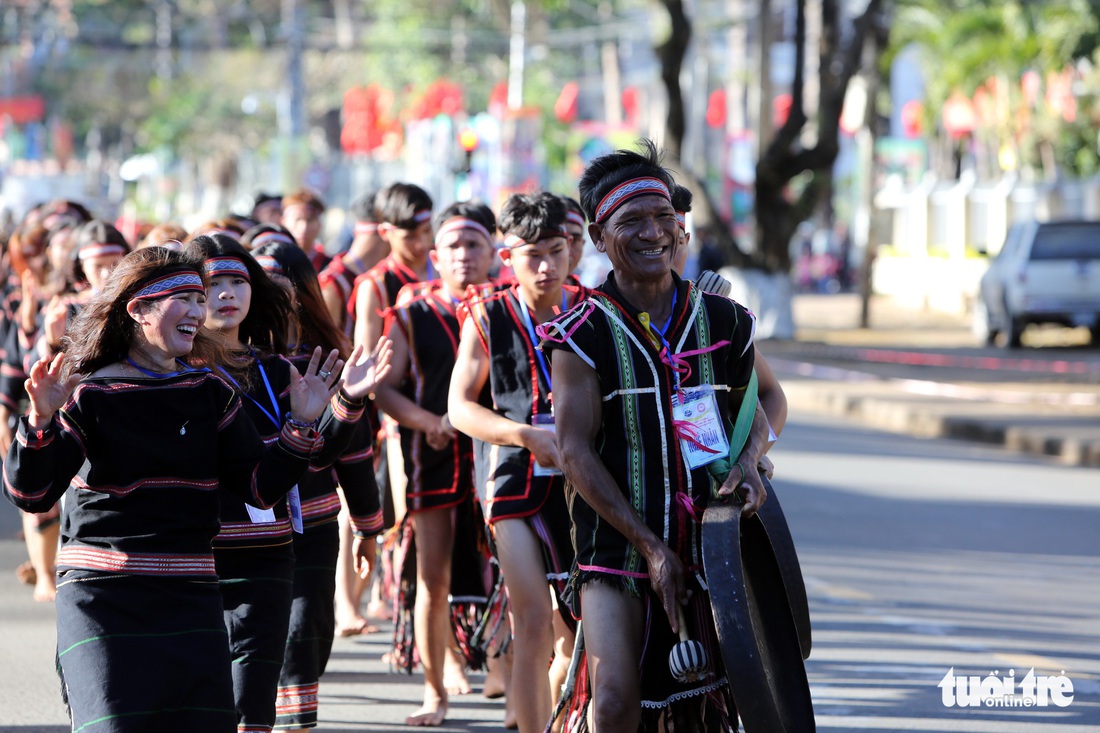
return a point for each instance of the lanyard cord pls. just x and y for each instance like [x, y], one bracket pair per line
[528, 323]
[276, 417]
[187, 368]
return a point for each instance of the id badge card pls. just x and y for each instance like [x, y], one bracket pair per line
[294, 505]
[260, 516]
[703, 437]
[546, 422]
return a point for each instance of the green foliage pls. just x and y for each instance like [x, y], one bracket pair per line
[965, 43]
[225, 52]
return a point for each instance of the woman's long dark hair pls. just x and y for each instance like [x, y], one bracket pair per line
[264, 328]
[315, 326]
[103, 332]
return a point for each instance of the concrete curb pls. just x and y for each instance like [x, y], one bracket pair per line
[1070, 436]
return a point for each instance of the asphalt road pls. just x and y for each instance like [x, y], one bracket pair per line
[1065, 365]
[926, 556]
[919, 557]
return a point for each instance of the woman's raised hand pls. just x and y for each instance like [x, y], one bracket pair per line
[310, 392]
[362, 373]
[56, 321]
[48, 390]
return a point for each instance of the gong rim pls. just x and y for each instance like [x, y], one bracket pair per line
[756, 629]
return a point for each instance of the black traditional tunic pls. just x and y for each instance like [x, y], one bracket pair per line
[437, 479]
[255, 558]
[427, 316]
[386, 279]
[312, 614]
[339, 276]
[519, 389]
[640, 446]
[141, 641]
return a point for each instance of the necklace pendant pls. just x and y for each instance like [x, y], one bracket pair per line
[183, 428]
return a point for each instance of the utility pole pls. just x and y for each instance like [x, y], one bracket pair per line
[862, 231]
[517, 50]
[293, 121]
[345, 24]
[612, 81]
[164, 39]
[736, 121]
[291, 108]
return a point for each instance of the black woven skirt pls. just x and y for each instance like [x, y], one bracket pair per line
[256, 586]
[141, 653]
[312, 625]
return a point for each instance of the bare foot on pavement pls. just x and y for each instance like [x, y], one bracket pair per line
[430, 715]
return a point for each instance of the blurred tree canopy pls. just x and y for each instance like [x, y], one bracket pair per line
[201, 76]
[197, 74]
[1022, 63]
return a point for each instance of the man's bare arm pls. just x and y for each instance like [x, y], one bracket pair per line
[388, 396]
[470, 374]
[771, 394]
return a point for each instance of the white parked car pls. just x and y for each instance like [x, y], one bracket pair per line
[1046, 272]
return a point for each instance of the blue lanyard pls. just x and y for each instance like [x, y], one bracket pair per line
[529, 323]
[660, 334]
[187, 369]
[276, 418]
[671, 313]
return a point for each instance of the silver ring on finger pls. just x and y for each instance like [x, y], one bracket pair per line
[324, 375]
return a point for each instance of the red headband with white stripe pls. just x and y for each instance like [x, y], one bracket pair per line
[453, 227]
[100, 249]
[514, 240]
[235, 236]
[266, 237]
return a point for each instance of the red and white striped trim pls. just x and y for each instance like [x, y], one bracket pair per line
[345, 412]
[296, 699]
[25, 496]
[366, 227]
[323, 506]
[298, 442]
[574, 217]
[357, 457]
[166, 482]
[230, 414]
[34, 439]
[368, 525]
[135, 563]
[232, 531]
